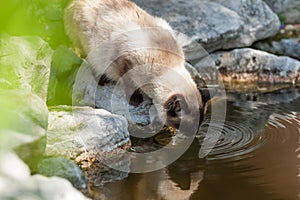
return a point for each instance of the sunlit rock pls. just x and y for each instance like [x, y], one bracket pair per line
[288, 10]
[112, 97]
[75, 130]
[17, 183]
[254, 66]
[286, 47]
[91, 137]
[217, 24]
[86, 92]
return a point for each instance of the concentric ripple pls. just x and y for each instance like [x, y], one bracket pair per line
[235, 139]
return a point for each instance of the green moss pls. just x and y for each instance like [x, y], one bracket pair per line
[281, 17]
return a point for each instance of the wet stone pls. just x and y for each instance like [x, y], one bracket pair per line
[63, 168]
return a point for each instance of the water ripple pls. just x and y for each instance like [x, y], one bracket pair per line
[235, 139]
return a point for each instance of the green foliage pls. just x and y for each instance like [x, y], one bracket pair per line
[29, 32]
[34, 17]
[64, 66]
[282, 17]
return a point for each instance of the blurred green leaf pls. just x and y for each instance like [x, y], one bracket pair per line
[34, 17]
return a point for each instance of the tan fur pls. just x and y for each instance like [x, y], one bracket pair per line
[117, 36]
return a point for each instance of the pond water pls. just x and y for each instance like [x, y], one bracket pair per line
[256, 157]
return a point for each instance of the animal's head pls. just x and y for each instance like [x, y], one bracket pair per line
[177, 108]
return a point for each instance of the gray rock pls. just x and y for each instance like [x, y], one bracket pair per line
[289, 10]
[292, 12]
[84, 134]
[249, 65]
[286, 47]
[63, 168]
[208, 22]
[86, 92]
[74, 130]
[259, 22]
[113, 99]
[16, 182]
[277, 5]
[100, 174]
[291, 47]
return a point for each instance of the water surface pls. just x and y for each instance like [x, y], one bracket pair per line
[256, 157]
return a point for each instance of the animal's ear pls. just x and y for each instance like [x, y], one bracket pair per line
[207, 94]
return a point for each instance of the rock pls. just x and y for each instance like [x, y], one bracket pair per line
[86, 92]
[99, 174]
[16, 182]
[64, 66]
[63, 168]
[286, 47]
[113, 99]
[292, 12]
[253, 66]
[291, 47]
[75, 130]
[90, 136]
[208, 22]
[288, 10]
[277, 5]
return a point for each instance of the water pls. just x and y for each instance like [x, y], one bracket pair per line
[256, 157]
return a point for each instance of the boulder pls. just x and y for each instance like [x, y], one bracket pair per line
[63, 168]
[17, 183]
[254, 66]
[288, 10]
[277, 5]
[96, 139]
[217, 24]
[286, 47]
[87, 92]
[76, 130]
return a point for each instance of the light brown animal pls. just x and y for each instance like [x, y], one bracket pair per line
[122, 41]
